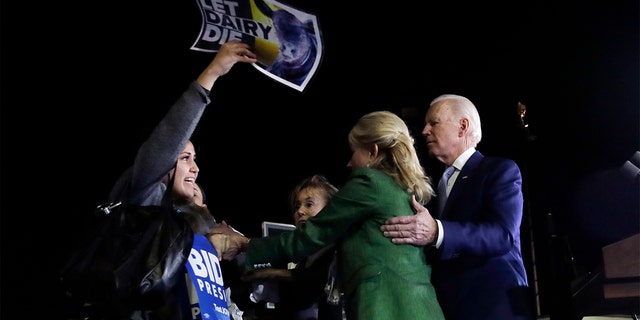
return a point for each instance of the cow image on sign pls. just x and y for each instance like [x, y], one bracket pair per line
[298, 44]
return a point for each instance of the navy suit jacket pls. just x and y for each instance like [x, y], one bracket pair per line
[478, 270]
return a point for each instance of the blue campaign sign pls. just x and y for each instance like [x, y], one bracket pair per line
[205, 272]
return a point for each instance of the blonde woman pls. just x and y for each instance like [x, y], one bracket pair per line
[381, 280]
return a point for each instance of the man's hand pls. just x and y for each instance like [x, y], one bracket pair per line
[420, 229]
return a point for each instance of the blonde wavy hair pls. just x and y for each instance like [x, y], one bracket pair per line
[397, 155]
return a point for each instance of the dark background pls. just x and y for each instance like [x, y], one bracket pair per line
[83, 84]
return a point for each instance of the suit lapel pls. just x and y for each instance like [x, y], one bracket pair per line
[462, 183]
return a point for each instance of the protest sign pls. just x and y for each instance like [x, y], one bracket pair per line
[287, 41]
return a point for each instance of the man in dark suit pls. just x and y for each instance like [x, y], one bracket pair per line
[478, 271]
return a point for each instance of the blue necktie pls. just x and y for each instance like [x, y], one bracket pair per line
[442, 187]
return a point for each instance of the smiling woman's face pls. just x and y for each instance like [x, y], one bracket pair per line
[185, 173]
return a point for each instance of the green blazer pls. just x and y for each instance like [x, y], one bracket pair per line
[380, 280]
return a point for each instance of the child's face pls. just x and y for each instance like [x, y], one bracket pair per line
[308, 203]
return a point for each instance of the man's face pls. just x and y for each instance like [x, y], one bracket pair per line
[441, 131]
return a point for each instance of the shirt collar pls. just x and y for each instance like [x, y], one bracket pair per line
[462, 158]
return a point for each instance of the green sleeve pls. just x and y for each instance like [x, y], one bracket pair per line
[346, 211]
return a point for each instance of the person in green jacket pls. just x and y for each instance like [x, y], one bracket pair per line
[380, 280]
